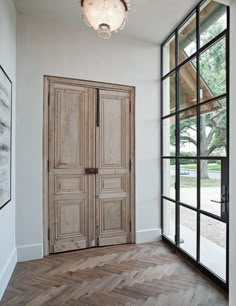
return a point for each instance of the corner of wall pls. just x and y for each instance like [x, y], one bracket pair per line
[149, 235]
[8, 253]
[7, 272]
[29, 252]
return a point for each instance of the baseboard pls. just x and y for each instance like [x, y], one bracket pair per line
[149, 235]
[29, 252]
[7, 272]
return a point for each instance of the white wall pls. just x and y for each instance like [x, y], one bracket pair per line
[7, 214]
[48, 47]
[232, 212]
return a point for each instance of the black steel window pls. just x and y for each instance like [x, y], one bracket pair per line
[195, 138]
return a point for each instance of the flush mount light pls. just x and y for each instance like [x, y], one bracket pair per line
[105, 16]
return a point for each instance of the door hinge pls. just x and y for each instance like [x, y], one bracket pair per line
[48, 165]
[130, 226]
[130, 165]
[130, 107]
[48, 98]
[48, 233]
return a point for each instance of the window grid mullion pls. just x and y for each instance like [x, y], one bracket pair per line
[177, 142]
[198, 139]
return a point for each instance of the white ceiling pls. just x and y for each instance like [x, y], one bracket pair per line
[149, 20]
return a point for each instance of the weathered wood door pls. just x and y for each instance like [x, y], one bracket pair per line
[71, 150]
[113, 179]
[89, 167]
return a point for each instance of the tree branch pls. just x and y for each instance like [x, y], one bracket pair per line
[188, 138]
[191, 128]
[215, 126]
[210, 135]
[218, 144]
[218, 114]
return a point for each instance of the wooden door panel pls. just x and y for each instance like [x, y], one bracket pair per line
[114, 224]
[114, 130]
[70, 216]
[112, 182]
[69, 131]
[112, 212]
[71, 150]
[69, 184]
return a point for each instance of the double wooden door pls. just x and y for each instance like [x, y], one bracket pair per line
[89, 167]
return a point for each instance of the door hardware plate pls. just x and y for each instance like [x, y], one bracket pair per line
[91, 171]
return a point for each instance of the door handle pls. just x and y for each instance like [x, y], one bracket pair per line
[222, 205]
[90, 171]
[218, 202]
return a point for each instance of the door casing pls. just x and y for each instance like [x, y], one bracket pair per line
[101, 86]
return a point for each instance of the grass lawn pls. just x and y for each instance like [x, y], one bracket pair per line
[191, 182]
[213, 167]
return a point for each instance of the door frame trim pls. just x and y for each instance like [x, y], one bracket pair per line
[47, 80]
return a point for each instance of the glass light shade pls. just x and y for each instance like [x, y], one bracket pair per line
[104, 31]
[105, 16]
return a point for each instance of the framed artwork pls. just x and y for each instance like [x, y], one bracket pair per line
[5, 138]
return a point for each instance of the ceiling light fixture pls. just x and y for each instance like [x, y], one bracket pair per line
[105, 16]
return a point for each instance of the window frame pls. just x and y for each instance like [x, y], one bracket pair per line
[199, 50]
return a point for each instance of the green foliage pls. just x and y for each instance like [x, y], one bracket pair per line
[213, 68]
[190, 182]
[188, 161]
[211, 166]
[213, 73]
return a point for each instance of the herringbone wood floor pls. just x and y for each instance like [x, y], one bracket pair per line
[148, 274]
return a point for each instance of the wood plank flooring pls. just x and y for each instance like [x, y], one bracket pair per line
[149, 274]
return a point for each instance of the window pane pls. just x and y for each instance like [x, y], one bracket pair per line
[187, 39]
[188, 133]
[213, 128]
[188, 229]
[168, 130]
[169, 178]
[213, 71]
[169, 95]
[169, 55]
[188, 85]
[188, 182]
[169, 219]
[213, 20]
[211, 186]
[213, 245]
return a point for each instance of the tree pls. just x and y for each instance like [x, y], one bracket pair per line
[213, 123]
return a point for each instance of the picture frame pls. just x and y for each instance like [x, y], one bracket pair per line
[5, 138]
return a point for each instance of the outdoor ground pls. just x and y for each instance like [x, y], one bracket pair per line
[211, 229]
